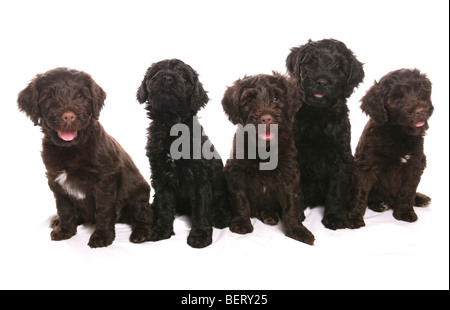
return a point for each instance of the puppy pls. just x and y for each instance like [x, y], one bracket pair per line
[189, 184]
[389, 158]
[327, 73]
[260, 102]
[92, 178]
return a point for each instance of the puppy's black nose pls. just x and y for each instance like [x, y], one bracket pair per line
[419, 111]
[168, 79]
[322, 82]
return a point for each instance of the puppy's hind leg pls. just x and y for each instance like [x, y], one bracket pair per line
[54, 221]
[267, 209]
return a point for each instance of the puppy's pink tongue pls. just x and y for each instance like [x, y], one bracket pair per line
[318, 95]
[68, 135]
[265, 136]
[419, 124]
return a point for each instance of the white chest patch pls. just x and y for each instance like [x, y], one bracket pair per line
[72, 191]
[405, 159]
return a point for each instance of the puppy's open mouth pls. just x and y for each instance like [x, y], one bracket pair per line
[67, 135]
[317, 95]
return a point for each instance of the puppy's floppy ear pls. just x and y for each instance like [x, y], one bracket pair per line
[199, 97]
[230, 103]
[355, 76]
[292, 60]
[98, 96]
[27, 101]
[295, 58]
[373, 104]
[142, 93]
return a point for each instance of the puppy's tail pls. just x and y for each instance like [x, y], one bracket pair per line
[422, 200]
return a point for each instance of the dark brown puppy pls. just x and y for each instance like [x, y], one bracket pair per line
[254, 190]
[92, 178]
[389, 158]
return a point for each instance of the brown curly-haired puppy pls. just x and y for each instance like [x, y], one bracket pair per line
[389, 158]
[92, 178]
[257, 190]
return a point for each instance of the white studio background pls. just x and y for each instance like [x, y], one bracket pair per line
[116, 41]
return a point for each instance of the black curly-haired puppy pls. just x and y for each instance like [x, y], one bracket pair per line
[389, 158]
[91, 176]
[256, 190]
[192, 182]
[327, 73]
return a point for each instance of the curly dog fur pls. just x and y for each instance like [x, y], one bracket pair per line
[327, 73]
[173, 95]
[92, 178]
[265, 99]
[389, 158]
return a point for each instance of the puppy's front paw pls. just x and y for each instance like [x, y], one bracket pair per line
[199, 238]
[101, 239]
[334, 222]
[58, 233]
[405, 215]
[241, 226]
[161, 234]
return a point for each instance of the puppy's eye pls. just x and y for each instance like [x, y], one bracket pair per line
[247, 101]
[275, 98]
[337, 67]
